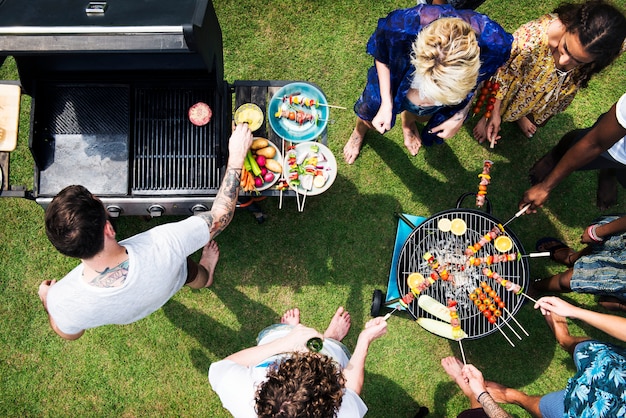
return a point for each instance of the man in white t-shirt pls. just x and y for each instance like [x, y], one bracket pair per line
[123, 282]
[603, 147]
[280, 376]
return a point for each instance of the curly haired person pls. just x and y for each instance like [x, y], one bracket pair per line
[280, 377]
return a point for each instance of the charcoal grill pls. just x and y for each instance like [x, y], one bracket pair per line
[111, 85]
[449, 249]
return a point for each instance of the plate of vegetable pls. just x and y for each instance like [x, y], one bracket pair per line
[298, 112]
[262, 166]
[310, 168]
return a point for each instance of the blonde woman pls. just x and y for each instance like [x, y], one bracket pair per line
[428, 60]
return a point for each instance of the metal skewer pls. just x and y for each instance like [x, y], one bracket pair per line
[533, 255]
[386, 317]
[517, 215]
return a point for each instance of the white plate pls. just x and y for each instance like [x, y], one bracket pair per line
[329, 166]
[278, 158]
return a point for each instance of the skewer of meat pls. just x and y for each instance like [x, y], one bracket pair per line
[299, 116]
[305, 101]
[488, 237]
[457, 332]
[488, 309]
[418, 283]
[485, 179]
[508, 285]
[438, 270]
[494, 258]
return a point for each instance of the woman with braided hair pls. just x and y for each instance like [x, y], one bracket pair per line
[551, 59]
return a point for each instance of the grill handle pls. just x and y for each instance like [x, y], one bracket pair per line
[459, 202]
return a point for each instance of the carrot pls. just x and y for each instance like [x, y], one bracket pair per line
[242, 181]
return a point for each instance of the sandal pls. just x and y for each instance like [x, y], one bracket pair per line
[553, 246]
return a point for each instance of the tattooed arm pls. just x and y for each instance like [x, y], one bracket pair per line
[476, 382]
[223, 208]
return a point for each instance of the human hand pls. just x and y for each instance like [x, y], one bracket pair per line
[493, 127]
[448, 128]
[239, 144]
[382, 120]
[553, 304]
[474, 378]
[374, 328]
[44, 287]
[297, 338]
[536, 196]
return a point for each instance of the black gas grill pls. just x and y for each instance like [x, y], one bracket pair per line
[111, 85]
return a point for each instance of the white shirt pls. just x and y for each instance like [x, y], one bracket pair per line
[236, 385]
[618, 150]
[157, 269]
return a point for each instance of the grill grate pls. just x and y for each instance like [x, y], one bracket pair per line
[449, 250]
[170, 154]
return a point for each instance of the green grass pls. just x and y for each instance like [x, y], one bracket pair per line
[334, 253]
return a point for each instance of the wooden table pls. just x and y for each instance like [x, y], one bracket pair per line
[260, 92]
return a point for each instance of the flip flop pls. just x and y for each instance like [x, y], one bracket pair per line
[553, 245]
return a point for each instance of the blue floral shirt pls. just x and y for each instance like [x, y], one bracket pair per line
[598, 389]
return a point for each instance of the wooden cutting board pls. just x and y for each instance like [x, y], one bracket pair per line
[9, 116]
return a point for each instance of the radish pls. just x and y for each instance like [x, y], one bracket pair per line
[268, 177]
[260, 160]
[258, 182]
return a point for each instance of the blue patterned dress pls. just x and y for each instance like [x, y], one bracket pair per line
[598, 389]
[603, 272]
[391, 45]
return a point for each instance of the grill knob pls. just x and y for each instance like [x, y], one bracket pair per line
[156, 210]
[114, 211]
[199, 208]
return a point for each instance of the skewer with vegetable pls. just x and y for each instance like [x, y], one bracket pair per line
[439, 271]
[450, 329]
[507, 284]
[488, 237]
[418, 283]
[493, 259]
[299, 116]
[485, 179]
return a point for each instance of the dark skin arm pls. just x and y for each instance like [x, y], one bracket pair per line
[604, 231]
[599, 139]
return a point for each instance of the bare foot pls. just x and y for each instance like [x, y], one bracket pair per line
[208, 260]
[558, 325]
[412, 139]
[339, 325]
[353, 147]
[480, 130]
[453, 366]
[291, 317]
[528, 128]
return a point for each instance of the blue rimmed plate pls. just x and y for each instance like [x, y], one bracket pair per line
[315, 116]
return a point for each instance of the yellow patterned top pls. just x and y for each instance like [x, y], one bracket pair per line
[530, 84]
